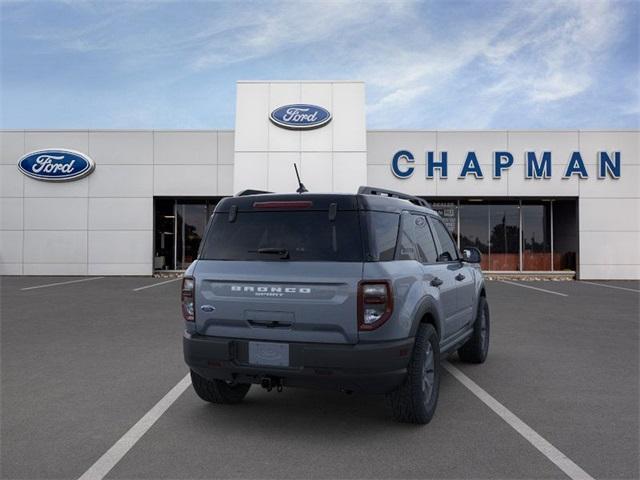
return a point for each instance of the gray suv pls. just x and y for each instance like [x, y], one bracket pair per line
[360, 293]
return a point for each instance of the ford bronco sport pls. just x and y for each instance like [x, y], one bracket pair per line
[361, 292]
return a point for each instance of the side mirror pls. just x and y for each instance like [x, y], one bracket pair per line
[471, 255]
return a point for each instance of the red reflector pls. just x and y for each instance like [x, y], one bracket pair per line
[284, 204]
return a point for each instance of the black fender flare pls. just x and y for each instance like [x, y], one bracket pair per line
[481, 291]
[427, 306]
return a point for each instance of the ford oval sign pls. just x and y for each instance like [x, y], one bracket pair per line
[300, 116]
[56, 165]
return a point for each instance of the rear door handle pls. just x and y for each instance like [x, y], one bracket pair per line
[436, 282]
[460, 277]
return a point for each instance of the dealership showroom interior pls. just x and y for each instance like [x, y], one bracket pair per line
[329, 239]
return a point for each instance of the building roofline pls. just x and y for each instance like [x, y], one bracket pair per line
[369, 130]
[518, 130]
[115, 130]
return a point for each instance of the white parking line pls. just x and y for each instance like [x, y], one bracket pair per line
[111, 457]
[611, 286]
[534, 288]
[563, 462]
[61, 283]
[156, 284]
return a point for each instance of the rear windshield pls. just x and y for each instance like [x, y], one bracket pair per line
[284, 236]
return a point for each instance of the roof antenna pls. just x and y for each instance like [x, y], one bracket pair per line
[301, 188]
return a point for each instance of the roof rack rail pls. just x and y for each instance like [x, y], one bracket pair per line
[365, 190]
[250, 191]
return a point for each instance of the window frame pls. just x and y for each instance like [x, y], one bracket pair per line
[365, 230]
[401, 231]
[430, 231]
[432, 220]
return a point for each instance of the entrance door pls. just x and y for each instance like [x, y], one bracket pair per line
[165, 234]
[191, 221]
[179, 228]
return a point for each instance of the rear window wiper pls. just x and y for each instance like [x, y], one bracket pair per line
[283, 252]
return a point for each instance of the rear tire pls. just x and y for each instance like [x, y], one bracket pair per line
[415, 400]
[477, 347]
[218, 391]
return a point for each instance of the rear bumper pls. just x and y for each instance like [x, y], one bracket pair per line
[371, 367]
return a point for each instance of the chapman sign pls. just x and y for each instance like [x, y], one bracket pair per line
[537, 165]
[56, 165]
[300, 116]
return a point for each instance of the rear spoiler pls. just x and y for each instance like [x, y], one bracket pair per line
[365, 190]
[250, 191]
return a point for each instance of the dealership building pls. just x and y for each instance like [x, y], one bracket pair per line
[132, 202]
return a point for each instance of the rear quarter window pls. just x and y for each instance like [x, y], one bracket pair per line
[407, 249]
[382, 234]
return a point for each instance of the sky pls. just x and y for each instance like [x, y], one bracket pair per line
[427, 65]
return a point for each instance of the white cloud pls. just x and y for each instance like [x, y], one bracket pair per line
[289, 26]
[457, 65]
[546, 52]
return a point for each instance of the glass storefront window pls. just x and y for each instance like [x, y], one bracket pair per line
[179, 228]
[565, 234]
[165, 239]
[536, 236]
[494, 229]
[504, 224]
[474, 229]
[549, 238]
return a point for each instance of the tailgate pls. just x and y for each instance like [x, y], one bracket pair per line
[279, 301]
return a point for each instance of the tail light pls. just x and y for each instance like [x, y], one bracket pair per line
[375, 303]
[186, 299]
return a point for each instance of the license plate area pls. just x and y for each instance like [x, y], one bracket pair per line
[268, 353]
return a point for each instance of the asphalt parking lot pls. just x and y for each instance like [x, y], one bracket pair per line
[83, 362]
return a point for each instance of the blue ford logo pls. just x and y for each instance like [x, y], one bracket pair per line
[56, 165]
[300, 116]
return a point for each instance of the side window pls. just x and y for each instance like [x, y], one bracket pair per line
[448, 251]
[382, 235]
[424, 239]
[406, 249]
